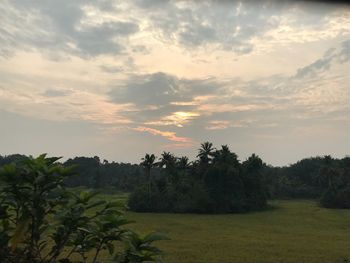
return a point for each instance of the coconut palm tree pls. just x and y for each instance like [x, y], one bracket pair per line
[225, 156]
[205, 152]
[167, 160]
[183, 163]
[148, 163]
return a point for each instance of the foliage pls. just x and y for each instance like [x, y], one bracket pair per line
[92, 173]
[216, 183]
[175, 179]
[42, 222]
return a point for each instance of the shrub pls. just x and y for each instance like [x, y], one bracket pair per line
[42, 222]
[339, 198]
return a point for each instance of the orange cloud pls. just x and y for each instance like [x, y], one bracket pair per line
[178, 118]
[210, 108]
[167, 134]
[218, 125]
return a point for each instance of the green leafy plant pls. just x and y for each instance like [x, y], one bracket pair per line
[43, 222]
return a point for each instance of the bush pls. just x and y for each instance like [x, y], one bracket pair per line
[42, 222]
[339, 198]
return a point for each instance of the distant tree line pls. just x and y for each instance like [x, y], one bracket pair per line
[324, 178]
[91, 172]
[216, 182]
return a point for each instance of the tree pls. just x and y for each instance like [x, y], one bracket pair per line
[328, 172]
[225, 156]
[205, 152]
[220, 184]
[148, 162]
[42, 222]
[255, 190]
[167, 160]
[183, 163]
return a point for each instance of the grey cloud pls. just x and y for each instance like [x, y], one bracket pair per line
[111, 69]
[148, 4]
[100, 39]
[341, 54]
[56, 93]
[230, 25]
[160, 89]
[197, 35]
[344, 55]
[318, 66]
[149, 115]
[219, 23]
[159, 95]
[54, 26]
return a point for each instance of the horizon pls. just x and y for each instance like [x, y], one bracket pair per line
[118, 80]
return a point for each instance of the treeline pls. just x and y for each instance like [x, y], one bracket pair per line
[91, 172]
[215, 177]
[323, 178]
[217, 182]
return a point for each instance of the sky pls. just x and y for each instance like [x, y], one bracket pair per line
[119, 79]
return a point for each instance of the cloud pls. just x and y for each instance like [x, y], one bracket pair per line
[178, 118]
[167, 134]
[162, 89]
[218, 125]
[61, 27]
[65, 105]
[93, 28]
[163, 94]
[111, 69]
[236, 26]
[174, 67]
[323, 64]
[344, 55]
[154, 89]
[56, 93]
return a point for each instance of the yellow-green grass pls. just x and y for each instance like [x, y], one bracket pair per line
[291, 231]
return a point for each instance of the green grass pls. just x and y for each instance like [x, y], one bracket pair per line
[291, 231]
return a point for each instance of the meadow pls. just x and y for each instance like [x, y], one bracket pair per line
[290, 231]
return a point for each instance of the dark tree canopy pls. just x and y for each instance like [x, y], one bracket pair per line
[215, 182]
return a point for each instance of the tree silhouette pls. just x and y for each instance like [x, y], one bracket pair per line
[183, 163]
[205, 152]
[148, 163]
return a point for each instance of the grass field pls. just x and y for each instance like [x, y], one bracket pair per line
[291, 231]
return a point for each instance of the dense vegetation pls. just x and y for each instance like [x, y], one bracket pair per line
[42, 222]
[323, 178]
[198, 182]
[215, 183]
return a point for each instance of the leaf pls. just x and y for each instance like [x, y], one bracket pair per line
[110, 248]
[98, 203]
[18, 235]
[84, 230]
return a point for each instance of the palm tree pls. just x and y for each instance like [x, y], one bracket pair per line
[225, 156]
[205, 152]
[183, 163]
[167, 160]
[148, 163]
